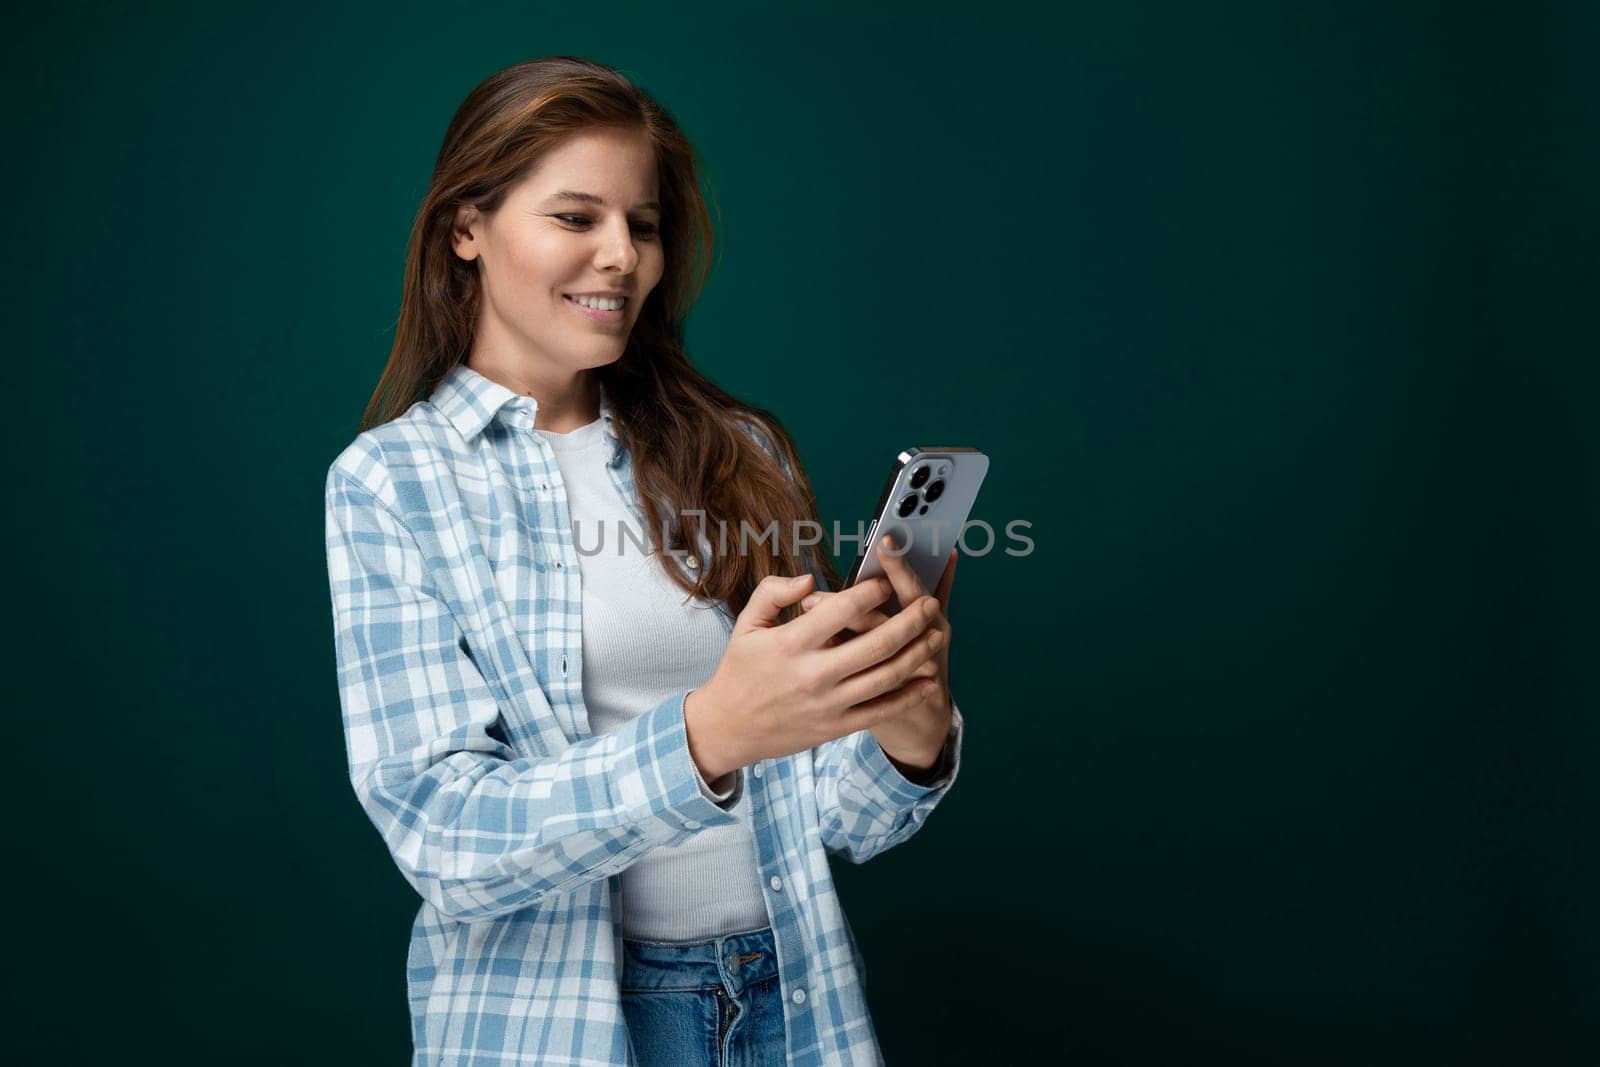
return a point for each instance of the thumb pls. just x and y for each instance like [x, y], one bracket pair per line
[770, 597]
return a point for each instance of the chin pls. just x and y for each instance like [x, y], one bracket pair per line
[604, 359]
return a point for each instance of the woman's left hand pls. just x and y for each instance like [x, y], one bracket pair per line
[913, 739]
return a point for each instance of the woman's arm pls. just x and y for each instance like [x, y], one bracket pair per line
[476, 828]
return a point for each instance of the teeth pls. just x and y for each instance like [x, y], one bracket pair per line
[599, 303]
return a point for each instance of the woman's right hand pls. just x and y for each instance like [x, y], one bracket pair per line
[783, 689]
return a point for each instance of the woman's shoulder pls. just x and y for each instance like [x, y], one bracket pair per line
[766, 432]
[420, 442]
[757, 427]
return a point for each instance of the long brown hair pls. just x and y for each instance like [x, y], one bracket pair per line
[682, 431]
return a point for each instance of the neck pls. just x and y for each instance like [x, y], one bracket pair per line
[566, 401]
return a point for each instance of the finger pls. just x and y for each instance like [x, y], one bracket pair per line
[870, 713]
[893, 672]
[867, 621]
[770, 596]
[943, 592]
[907, 586]
[869, 649]
[835, 612]
[861, 623]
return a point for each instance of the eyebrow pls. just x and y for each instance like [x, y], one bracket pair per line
[590, 198]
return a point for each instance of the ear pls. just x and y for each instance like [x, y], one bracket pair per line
[463, 227]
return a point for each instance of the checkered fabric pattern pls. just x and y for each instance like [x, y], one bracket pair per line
[456, 593]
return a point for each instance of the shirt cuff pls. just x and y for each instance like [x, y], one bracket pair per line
[729, 797]
[897, 786]
[659, 776]
[934, 776]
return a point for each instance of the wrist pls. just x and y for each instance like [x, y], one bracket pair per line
[918, 759]
[917, 770]
[708, 748]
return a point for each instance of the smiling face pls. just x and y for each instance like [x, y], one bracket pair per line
[582, 227]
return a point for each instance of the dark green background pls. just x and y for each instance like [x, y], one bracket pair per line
[1277, 321]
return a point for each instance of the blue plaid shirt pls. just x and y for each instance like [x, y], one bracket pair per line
[456, 592]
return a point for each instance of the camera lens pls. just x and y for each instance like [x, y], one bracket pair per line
[919, 476]
[908, 505]
[934, 491]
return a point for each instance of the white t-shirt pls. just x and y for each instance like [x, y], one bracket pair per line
[644, 639]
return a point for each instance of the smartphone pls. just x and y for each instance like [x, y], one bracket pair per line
[925, 504]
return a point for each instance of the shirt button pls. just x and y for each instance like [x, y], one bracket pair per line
[799, 996]
[756, 770]
[776, 883]
[691, 563]
[691, 826]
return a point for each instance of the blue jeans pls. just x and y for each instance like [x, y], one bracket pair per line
[715, 1002]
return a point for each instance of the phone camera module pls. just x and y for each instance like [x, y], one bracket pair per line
[908, 505]
[934, 491]
[918, 477]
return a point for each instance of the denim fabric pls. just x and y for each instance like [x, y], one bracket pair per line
[715, 1003]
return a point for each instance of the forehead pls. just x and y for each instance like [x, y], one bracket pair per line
[617, 165]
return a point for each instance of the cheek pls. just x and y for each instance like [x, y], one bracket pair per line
[534, 262]
[652, 267]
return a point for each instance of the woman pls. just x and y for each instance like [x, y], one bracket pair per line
[614, 776]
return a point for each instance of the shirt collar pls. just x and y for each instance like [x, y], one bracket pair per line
[471, 402]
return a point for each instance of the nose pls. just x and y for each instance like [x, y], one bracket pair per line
[617, 251]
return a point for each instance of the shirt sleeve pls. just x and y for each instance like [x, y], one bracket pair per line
[724, 799]
[865, 805]
[479, 829]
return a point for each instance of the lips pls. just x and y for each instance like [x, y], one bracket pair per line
[595, 314]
